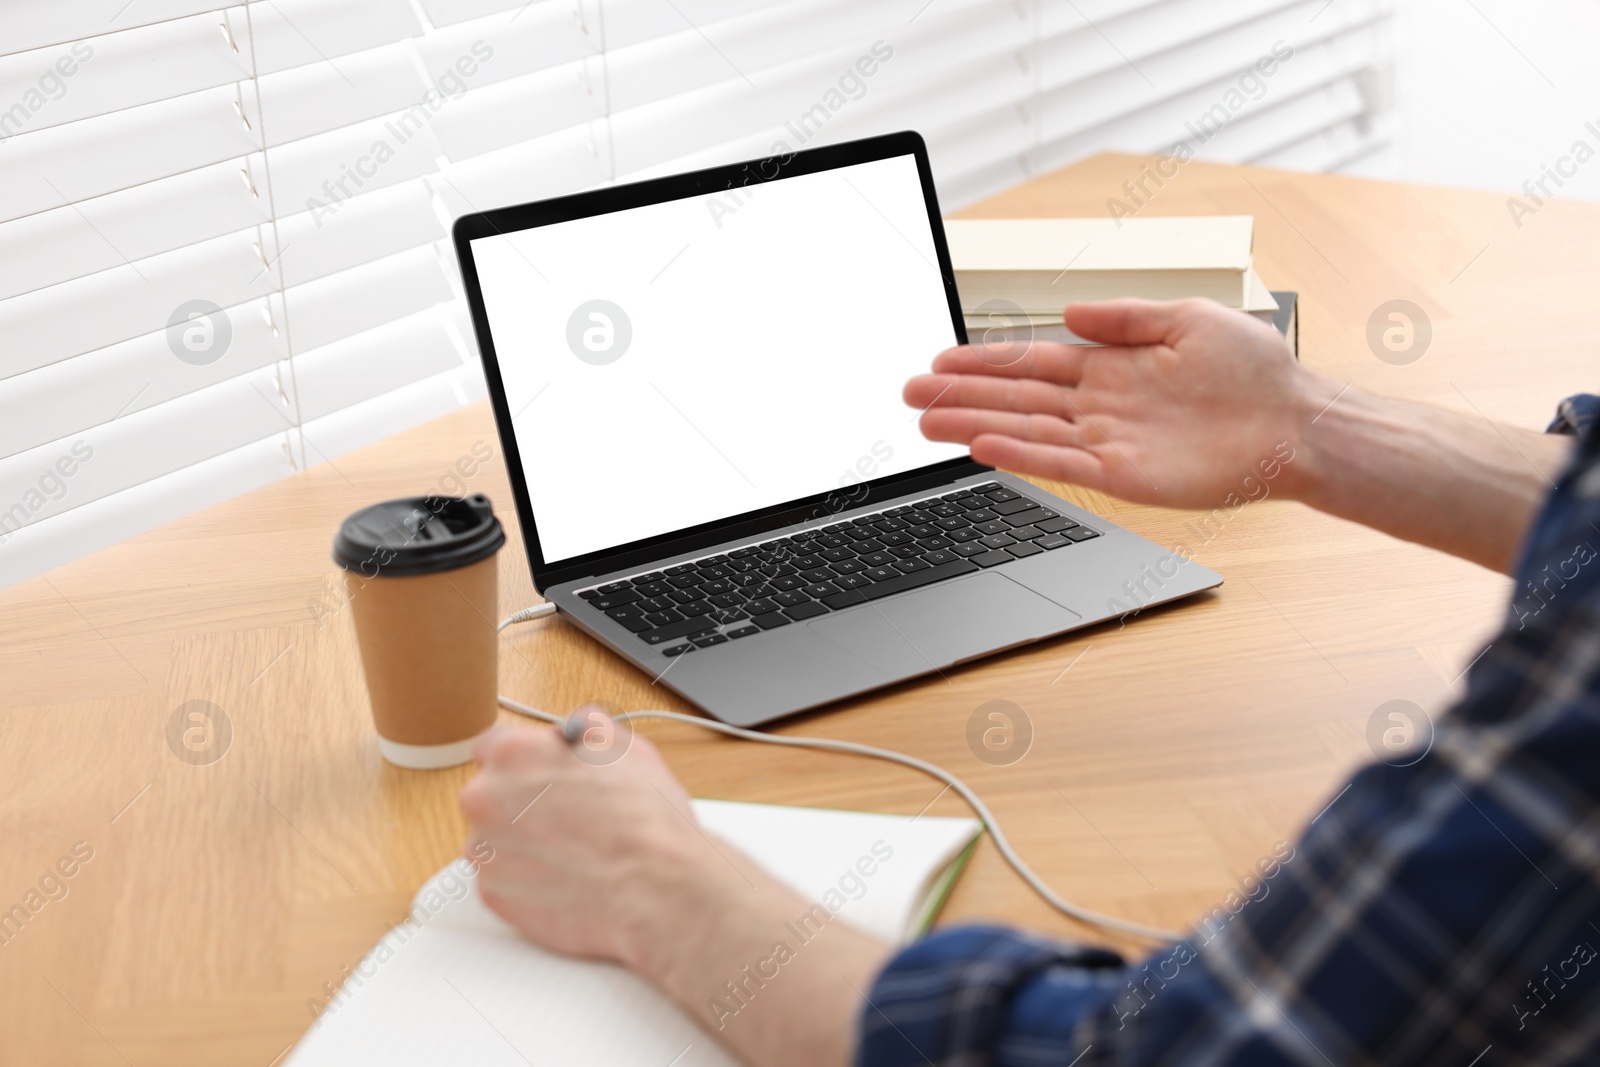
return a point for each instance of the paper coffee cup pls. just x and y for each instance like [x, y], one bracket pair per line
[424, 590]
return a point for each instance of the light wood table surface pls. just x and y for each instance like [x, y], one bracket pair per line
[1169, 755]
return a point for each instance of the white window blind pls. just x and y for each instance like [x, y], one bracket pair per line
[223, 227]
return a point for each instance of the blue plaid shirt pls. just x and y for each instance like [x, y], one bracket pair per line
[1442, 913]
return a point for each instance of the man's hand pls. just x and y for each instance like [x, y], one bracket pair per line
[1186, 400]
[600, 856]
[586, 853]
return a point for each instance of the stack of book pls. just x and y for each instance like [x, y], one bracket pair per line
[1016, 276]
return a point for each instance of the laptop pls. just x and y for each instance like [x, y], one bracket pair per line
[697, 384]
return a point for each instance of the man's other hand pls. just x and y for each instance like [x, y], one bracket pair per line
[1184, 401]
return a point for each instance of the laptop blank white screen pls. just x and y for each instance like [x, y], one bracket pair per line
[679, 363]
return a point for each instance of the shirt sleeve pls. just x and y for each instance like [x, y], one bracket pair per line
[961, 994]
[1576, 415]
[1411, 926]
[1445, 903]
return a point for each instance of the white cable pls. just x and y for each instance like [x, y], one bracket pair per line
[979, 808]
[538, 611]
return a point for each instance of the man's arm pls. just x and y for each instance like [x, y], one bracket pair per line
[1458, 483]
[1188, 398]
[1433, 911]
[607, 862]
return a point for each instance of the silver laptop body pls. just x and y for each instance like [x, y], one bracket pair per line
[676, 483]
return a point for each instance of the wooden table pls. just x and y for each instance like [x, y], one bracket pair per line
[1169, 756]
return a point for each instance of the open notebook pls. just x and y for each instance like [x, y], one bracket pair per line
[455, 984]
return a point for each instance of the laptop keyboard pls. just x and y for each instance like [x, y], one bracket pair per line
[768, 584]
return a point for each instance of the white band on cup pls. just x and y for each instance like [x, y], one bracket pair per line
[427, 757]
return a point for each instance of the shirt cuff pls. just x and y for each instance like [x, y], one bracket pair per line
[950, 999]
[1576, 415]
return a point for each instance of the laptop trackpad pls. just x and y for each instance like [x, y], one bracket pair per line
[945, 623]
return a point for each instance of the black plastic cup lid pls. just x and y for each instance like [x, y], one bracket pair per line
[418, 535]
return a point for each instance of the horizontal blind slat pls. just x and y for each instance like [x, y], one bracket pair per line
[137, 298]
[66, 83]
[1285, 121]
[977, 68]
[1327, 149]
[92, 235]
[42, 545]
[789, 39]
[293, 33]
[393, 412]
[164, 438]
[323, 96]
[97, 234]
[148, 444]
[998, 86]
[543, 35]
[48, 324]
[1311, 67]
[448, 12]
[330, 168]
[552, 165]
[352, 301]
[1145, 127]
[71, 395]
[807, 93]
[728, 22]
[1122, 90]
[50, 167]
[689, 56]
[521, 109]
[30, 24]
[350, 232]
[370, 364]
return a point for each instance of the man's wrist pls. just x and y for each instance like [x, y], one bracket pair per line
[1450, 480]
[719, 939]
[677, 915]
[1320, 411]
[703, 913]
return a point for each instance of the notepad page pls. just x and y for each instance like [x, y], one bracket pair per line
[459, 985]
[872, 870]
[461, 997]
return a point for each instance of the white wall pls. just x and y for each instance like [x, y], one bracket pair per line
[1490, 92]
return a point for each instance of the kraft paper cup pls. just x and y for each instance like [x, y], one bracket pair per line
[424, 591]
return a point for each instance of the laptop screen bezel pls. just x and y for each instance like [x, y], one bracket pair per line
[819, 506]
